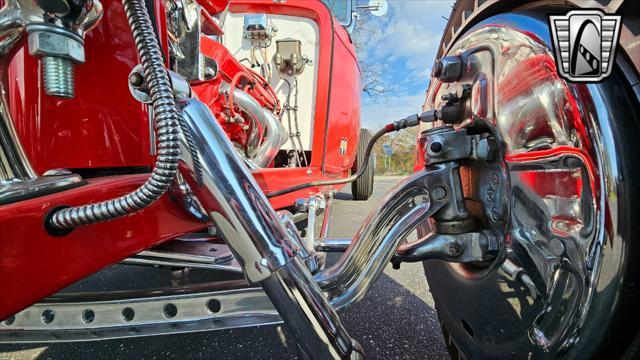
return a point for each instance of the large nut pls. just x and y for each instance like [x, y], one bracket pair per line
[46, 43]
[448, 69]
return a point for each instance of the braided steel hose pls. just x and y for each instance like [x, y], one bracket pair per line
[167, 123]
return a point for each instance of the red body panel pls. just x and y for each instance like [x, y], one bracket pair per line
[344, 108]
[104, 127]
[34, 264]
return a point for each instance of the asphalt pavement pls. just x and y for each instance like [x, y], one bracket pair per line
[396, 320]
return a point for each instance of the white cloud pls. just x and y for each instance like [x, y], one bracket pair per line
[412, 31]
[409, 33]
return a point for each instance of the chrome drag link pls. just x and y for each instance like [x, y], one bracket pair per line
[410, 203]
[268, 253]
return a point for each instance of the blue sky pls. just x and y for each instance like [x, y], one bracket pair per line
[406, 41]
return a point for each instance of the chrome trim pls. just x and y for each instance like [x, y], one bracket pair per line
[333, 245]
[193, 251]
[314, 205]
[235, 309]
[181, 264]
[259, 152]
[14, 163]
[186, 257]
[15, 190]
[265, 250]
[308, 255]
[239, 210]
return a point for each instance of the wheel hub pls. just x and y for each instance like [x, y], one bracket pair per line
[536, 178]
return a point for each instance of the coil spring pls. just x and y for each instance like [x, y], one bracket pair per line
[167, 123]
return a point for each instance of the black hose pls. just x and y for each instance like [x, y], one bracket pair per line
[409, 121]
[385, 130]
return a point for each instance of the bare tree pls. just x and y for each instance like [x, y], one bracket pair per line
[373, 83]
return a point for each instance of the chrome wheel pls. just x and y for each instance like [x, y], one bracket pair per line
[560, 191]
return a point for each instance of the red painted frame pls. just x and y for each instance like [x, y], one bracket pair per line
[34, 264]
[104, 127]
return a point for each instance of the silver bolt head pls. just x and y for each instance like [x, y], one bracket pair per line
[44, 43]
[449, 69]
[210, 73]
[301, 204]
[439, 193]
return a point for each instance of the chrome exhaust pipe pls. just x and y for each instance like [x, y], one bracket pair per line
[249, 225]
[261, 153]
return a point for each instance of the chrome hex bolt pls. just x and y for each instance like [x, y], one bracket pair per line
[448, 69]
[59, 51]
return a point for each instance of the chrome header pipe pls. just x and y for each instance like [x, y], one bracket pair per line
[267, 252]
[410, 203]
[261, 152]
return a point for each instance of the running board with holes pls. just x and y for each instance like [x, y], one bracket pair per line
[99, 320]
[188, 254]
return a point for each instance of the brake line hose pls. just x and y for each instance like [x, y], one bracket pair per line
[398, 125]
[167, 124]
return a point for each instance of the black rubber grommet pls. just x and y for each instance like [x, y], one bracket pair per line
[47, 223]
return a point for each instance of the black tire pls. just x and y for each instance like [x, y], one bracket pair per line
[487, 314]
[362, 188]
